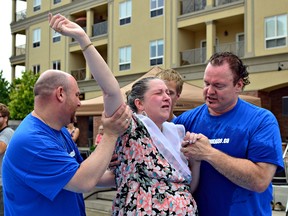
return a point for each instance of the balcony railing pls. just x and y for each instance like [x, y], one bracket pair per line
[189, 6]
[21, 15]
[100, 28]
[79, 74]
[20, 50]
[222, 2]
[237, 48]
[198, 56]
[193, 56]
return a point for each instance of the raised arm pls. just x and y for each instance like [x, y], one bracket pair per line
[98, 67]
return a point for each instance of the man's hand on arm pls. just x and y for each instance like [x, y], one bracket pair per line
[91, 169]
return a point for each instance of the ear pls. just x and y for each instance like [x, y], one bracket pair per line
[60, 93]
[239, 86]
[139, 104]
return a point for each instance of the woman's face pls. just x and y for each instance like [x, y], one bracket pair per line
[157, 102]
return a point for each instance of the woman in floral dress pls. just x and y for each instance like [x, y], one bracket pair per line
[153, 178]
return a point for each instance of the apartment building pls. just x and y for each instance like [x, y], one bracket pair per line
[135, 35]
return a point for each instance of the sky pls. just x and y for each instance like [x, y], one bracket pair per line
[6, 39]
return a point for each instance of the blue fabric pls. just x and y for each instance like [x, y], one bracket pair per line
[36, 167]
[246, 131]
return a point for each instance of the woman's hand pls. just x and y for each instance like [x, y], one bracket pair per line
[65, 27]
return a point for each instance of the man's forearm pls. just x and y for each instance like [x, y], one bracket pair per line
[92, 169]
[243, 172]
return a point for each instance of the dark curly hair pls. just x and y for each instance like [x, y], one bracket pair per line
[235, 63]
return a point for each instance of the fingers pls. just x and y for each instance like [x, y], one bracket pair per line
[190, 138]
[119, 121]
[56, 22]
[123, 114]
[114, 162]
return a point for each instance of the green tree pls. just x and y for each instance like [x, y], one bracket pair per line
[4, 89]
[21, 95]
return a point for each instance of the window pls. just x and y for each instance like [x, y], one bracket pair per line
[37, 5]
[240, 40]
[56, 65]
[124, 58]
[156, 52]
[56, 1]
[125, 9]
[276, 31]
[156, 7]
[36, 69]
[56, 36]
[203, 45]
[36, 38]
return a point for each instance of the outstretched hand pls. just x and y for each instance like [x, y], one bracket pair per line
[196, 146]
[64, 26]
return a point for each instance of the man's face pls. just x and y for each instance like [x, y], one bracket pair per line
[174, 95]
[219, 91]
[3, 121]
[73, 100]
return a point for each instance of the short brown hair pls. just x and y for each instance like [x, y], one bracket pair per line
[4, 111]
[172, 75]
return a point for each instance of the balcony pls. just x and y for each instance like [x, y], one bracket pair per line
[21, 15]
[189, 6]
[236, 47]
[198, 56]
[20, 50]
[100, 28]
[223, 2]
[193, 56]
[79, 74]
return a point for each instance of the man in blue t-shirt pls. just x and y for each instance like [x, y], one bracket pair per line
[43, 171]
[244, 152]
[5, 136]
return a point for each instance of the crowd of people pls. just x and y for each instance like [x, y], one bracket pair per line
[216, 159]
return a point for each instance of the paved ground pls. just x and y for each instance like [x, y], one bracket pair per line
[278, 213]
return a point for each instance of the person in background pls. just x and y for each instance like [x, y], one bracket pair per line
[5, 136]
[174, 82]
[73, 130]
[43, 171]
[245, 144]
[153, 178]
[99, 135]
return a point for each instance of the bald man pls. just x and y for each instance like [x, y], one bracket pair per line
[43, 171]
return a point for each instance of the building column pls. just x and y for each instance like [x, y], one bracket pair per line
[13, 72]
[110, 50]
[89, 24]
[209, 4]
[210, 38]
[249, 29]
[14, 10]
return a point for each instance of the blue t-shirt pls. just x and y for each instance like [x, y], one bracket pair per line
[38, 163]
[246, 131]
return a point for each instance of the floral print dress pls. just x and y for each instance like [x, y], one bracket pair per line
[146, 183]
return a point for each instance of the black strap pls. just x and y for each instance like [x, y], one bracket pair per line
[3, 129]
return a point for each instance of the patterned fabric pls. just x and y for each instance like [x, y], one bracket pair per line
[168, 142]
[146, 183]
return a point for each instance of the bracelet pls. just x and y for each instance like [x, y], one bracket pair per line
[86, 47]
